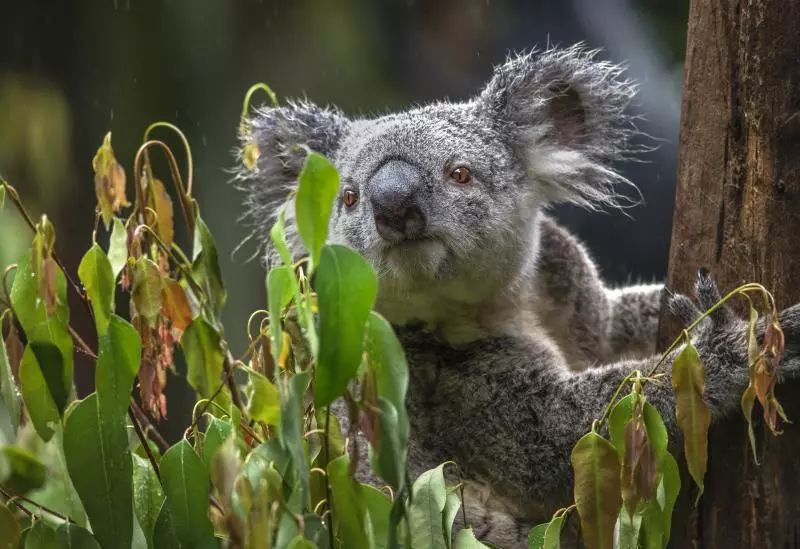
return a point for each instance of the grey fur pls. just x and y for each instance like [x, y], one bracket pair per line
[513, 308]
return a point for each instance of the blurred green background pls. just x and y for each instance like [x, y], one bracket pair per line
[72, 70]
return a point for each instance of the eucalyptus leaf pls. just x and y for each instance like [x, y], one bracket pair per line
[40, 536]
[97, 278]
[429, 497]
[38, 401]
[465, 539]
[292, 410]
[9, 392]
[317, 189]
[74, 537]
[147, 289]
[281, 287]
[118, 248]
[349, 508]
[201, 344]
[263, 400]
[346, 289]
[148, 497]
[205, 266]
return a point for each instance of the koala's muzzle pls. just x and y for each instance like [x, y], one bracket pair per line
[396, 190]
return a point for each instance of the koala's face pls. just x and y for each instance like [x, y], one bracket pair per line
[450, 191]
[429, 193]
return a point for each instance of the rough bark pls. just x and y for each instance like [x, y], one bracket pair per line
[737, 213]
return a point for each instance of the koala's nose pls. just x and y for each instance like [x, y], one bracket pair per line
[395, 198]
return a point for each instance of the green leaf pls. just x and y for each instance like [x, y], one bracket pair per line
[465, 539]
[379, 506]
[429, 497]
[164, 534]
[42, 329]
[40, 536]
[536, 536]
[346, 290]
[386, 357]
[148, 497]
[657, 515]
[9, 527]
[292, 410]
[281, 286]
[24, 470]
[205, 266]
[38, 400]
[201, 344]
[8, 387]
[98, 279]
[278, 236]
[349, 508]
[147, 286]
[263, 400]
[597, 489]
[2, 196]
[217, 433]
[118, 248]
[99, 463]
[299, 542]
[691, 411]
[74, 537]
[318, 187]
[629, 528]
[185, 481]
[451, 506]
[120, 351]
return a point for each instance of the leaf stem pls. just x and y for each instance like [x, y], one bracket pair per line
[13, 499]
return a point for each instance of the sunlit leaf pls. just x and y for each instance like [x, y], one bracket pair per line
[277, 235]
[147, 286]
[201, 344]
[629, 525]
[117, 364]
[349, 509]
[596, 489]
[346, 289]
[98, 279]
[74, 537]
[263, 400]
[175, 305]
[205, 266]
[318, 187]
[9, 527]
[429, 497]
[109, 181]
[99, 463]
[465, 539]
[693, 416]
[185, 482]
[281, 287]
[451, 506]
[118, 247]
[536, 536]
[147, 497]
[162, 205]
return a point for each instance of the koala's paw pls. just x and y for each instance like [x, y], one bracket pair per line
[707, 295]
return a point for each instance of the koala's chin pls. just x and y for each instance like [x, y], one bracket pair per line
[412, 264]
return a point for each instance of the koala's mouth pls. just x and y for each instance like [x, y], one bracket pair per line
[415, 257]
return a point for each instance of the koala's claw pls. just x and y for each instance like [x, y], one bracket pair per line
[708, 295]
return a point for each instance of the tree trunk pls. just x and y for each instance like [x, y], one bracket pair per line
[737, 213]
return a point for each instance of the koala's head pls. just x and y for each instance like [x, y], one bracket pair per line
[451, 190]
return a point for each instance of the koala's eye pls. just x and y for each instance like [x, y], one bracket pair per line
[461, 175]
[350, 197]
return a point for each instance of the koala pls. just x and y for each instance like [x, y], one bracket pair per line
[514, 342]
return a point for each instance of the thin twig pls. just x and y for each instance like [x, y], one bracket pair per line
[14, 498]
[145, 444]
[148, 425]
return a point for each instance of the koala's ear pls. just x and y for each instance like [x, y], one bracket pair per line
[283, 135]
[565, 112]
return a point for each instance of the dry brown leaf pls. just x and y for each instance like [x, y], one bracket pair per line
[109, 181]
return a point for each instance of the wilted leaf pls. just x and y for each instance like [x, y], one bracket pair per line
[147, 286]
[263, 400]
[74, 537]
[201, 345]
[429, 497]
[147, 497]
[175, 305]
[100, 466]
[9, 527]
[318, 187]
[346, 290]
[639, 461]
[693, 416]
[205, 266]
[162, 205]
[596, 489]
[185, 482]
[349, 509]
[465, 539]
[98, 279]
[118, 248]
[250, 154]
[109, 181]
[747, 402]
